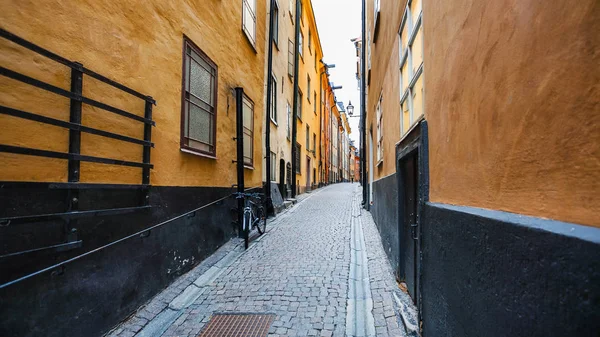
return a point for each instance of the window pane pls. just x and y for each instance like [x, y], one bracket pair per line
[200, 82]
[405, 79]
[417, 93]
[248, 20]
[404, 37]
[405, 116]
[247, 115]
[200, 125]
[417, 50]
[247, 149]
[415, 9]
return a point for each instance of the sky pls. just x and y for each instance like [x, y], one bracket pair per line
[338, 21]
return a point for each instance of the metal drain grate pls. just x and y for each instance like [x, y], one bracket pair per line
[238, 325]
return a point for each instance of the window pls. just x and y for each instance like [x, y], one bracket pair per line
[315, 102]
[297, 159]
[199, 101]
[274, 99]
[291, 9]
[308, 87]
[301, 14]
[307, 138]
[316, 62]
[314, 143]
[289, 119]
[301, 44]
[299, 112]
[290, 58]
[411, 66]
[248, 112]
[273, 166]
[379, 130]
[309, 41]
[376, 9]
[275, 23]
[249, 20]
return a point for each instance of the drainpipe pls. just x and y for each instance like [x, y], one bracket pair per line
[295, 113]
[239, 137]
[363, 109]
[268, 200]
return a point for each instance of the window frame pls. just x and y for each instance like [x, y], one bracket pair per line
[251, 102]
[309, 41]
[289, 120]
[299, 112]
[273, 166]
[297, 159]
[276, 25]
[273, 107]
[413, 75]
[379, 116]
[183, 140]
[307, 137]
[308, 87]
[301, 45]
[291, 60]
[246, 3]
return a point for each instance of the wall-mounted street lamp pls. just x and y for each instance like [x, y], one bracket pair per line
[350, 108]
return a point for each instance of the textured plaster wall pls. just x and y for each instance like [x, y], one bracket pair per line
[139, 44]
[280, 144]
[308, 117]
[385, 79]
[513, 104]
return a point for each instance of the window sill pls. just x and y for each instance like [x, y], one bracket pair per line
[379, 163]
[274, 122]
[248, 167]
[196, 153]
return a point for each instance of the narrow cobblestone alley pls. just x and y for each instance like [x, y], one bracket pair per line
[299, 271]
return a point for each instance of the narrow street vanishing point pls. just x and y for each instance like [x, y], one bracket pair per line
[304, 271]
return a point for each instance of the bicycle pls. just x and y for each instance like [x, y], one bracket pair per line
[254, 214]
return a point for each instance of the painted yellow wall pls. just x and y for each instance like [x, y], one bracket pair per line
[309, 65]
[139, 44]
[385, 81]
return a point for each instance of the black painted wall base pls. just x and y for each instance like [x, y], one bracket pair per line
[91, 295]
[385, 214]
[490, 273]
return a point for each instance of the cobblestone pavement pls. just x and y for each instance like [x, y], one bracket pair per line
[298, 271]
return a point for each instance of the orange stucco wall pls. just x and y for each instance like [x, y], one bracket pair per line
[384, 79]
[137, 43]
[513, 106]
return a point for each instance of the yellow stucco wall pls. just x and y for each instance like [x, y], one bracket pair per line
[139, 44]
[309, 67]
[385, 81]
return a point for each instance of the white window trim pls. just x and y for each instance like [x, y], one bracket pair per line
[273, 108]
[250, 35]
[406, 57]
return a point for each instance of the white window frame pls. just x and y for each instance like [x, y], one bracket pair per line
[379, 130]
[249, 11]
[406, 58]
[273, 166]
[273, 109]
[289, 122]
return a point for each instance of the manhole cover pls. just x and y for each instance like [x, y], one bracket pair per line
[236, 324]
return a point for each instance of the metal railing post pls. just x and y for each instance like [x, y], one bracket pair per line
[146, 155]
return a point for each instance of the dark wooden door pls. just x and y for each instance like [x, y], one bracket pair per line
[409, 230]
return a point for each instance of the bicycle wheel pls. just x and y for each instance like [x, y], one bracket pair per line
[246, 227]
[261, 220]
